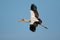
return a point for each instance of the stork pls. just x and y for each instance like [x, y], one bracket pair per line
[34, 19]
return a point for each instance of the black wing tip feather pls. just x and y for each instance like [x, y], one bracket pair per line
[32, 28]
[33, 7]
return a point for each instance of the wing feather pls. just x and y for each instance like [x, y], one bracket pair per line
[36, 14]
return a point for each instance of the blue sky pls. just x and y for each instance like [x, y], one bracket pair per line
[13, 10]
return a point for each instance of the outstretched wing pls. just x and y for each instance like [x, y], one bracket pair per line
[33, 26]
[34, 9]
[36, 14]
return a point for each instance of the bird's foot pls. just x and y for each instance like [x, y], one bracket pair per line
[45, 27]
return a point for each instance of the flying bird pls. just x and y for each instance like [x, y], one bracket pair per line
[34, 19]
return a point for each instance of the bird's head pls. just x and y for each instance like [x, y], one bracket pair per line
[21, 20]
[33, 7]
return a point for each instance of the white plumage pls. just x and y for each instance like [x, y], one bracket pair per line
[32, 18]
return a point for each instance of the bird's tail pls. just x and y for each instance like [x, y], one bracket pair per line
[44, 26]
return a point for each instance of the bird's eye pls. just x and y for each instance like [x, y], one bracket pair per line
[22, 19]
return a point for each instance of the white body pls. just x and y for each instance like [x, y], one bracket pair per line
[33, 18]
